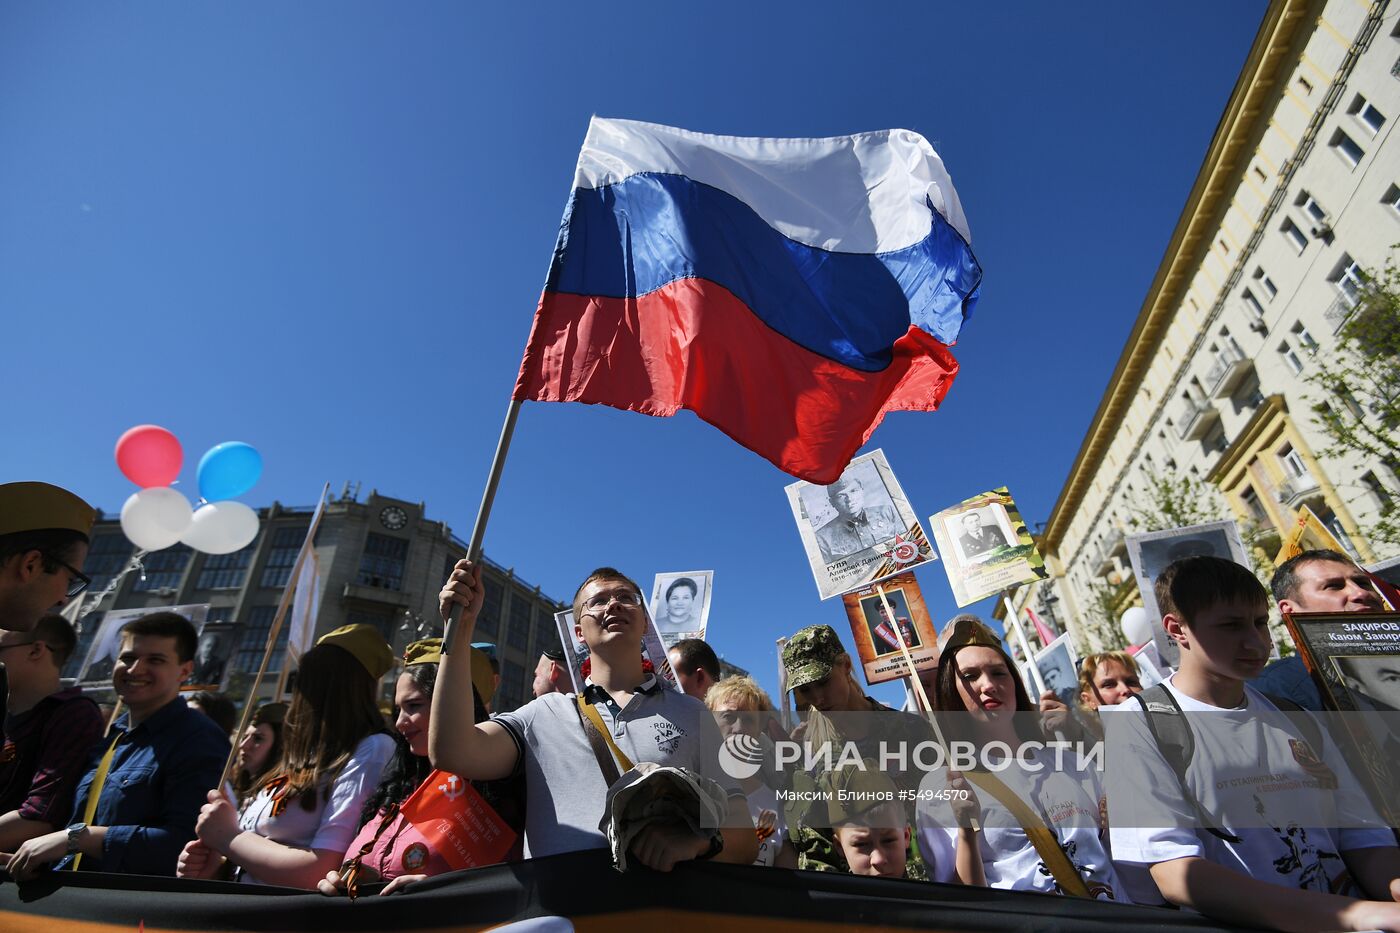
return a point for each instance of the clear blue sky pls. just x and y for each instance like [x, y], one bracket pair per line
[322, 228]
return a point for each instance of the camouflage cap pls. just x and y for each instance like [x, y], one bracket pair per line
[810, 654]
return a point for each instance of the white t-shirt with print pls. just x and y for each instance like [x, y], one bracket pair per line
[1257, 767]
[764, 808]
[1069, 801]
[334, 821]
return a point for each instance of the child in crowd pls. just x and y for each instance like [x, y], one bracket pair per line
[260, 749]
[1034, 826]
[389, 847]
[743, 709]
[868, 823]
[1233, 837]
[305, 811]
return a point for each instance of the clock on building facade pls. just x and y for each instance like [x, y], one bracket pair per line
[393, 517]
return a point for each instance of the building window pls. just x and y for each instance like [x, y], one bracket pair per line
[1224, 247]
[1252, 304]
[1348, 278]
[1305, 339]
[1311, 208]
[518, 631]
[512, 690]
[490, 616]
[1292, 462]
[163, 569]
[382, 563]
[1367, 114]
[225, 571]
[1252, 506]
[255, 631]
[1265, 283]
[1347, 148]
[1294, 235]
[286, 544]
[1352, 405]
[105, 559]
[1259, 173]
[382, 622]
[1377, 489]
[1290, 358]
[1392, 199]
[1305, 85]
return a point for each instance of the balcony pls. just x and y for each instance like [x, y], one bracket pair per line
[358, 592]
[1101, 558]
[1297, 491]
[1228, 370]
[1338, 312]
[1194, 419]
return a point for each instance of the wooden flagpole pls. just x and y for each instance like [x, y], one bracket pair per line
[273, 632]
[919, 693]
[483, 513]
[1025, 645]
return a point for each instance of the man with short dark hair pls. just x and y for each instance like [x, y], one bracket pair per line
[48, 732]
[43, 543]
[1227, 832]
[161, 759]
[569, 766]
[1323, 580]
[696, 666]
[858, 525]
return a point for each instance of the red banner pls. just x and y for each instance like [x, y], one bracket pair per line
[457, 822]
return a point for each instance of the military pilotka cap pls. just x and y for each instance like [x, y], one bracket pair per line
[854, 792]
[365, 643]
[810, 655]
[963, 630]
[429, 651]
[40, 506]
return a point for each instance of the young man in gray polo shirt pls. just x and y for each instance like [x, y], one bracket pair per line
[565, 788]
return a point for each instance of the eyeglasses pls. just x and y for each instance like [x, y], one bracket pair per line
[601, 601]
[77, 580]
[18, 644]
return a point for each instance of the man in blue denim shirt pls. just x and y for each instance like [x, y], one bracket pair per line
[167, 757]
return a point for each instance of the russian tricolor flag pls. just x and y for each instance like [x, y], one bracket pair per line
[787, 291]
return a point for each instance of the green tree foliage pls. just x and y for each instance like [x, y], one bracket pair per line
[1175, 500]
[1357, 404]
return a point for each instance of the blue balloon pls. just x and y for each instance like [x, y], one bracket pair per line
[228, 470]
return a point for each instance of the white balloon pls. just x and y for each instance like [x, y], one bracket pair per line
[155, 517]
[222, 527]
[1136, 626]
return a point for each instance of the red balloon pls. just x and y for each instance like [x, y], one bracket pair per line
[149, 455]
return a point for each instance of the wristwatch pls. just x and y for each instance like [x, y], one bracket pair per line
[75, 832]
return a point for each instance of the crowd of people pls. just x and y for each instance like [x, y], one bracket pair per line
[313, 796]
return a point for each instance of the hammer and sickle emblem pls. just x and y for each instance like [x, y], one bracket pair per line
[453, 788]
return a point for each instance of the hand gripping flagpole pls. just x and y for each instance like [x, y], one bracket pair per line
[483, 513]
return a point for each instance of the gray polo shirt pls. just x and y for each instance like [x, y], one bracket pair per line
[564, 787]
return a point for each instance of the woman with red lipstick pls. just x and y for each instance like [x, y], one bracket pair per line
[1026, 818]
[389, 847]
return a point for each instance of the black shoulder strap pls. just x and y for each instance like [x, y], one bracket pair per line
[1172, 733]
[1312, 730]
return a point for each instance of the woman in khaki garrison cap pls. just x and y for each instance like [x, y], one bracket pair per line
[43, 543]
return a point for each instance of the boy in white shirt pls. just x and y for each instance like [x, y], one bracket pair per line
[1232, 838]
